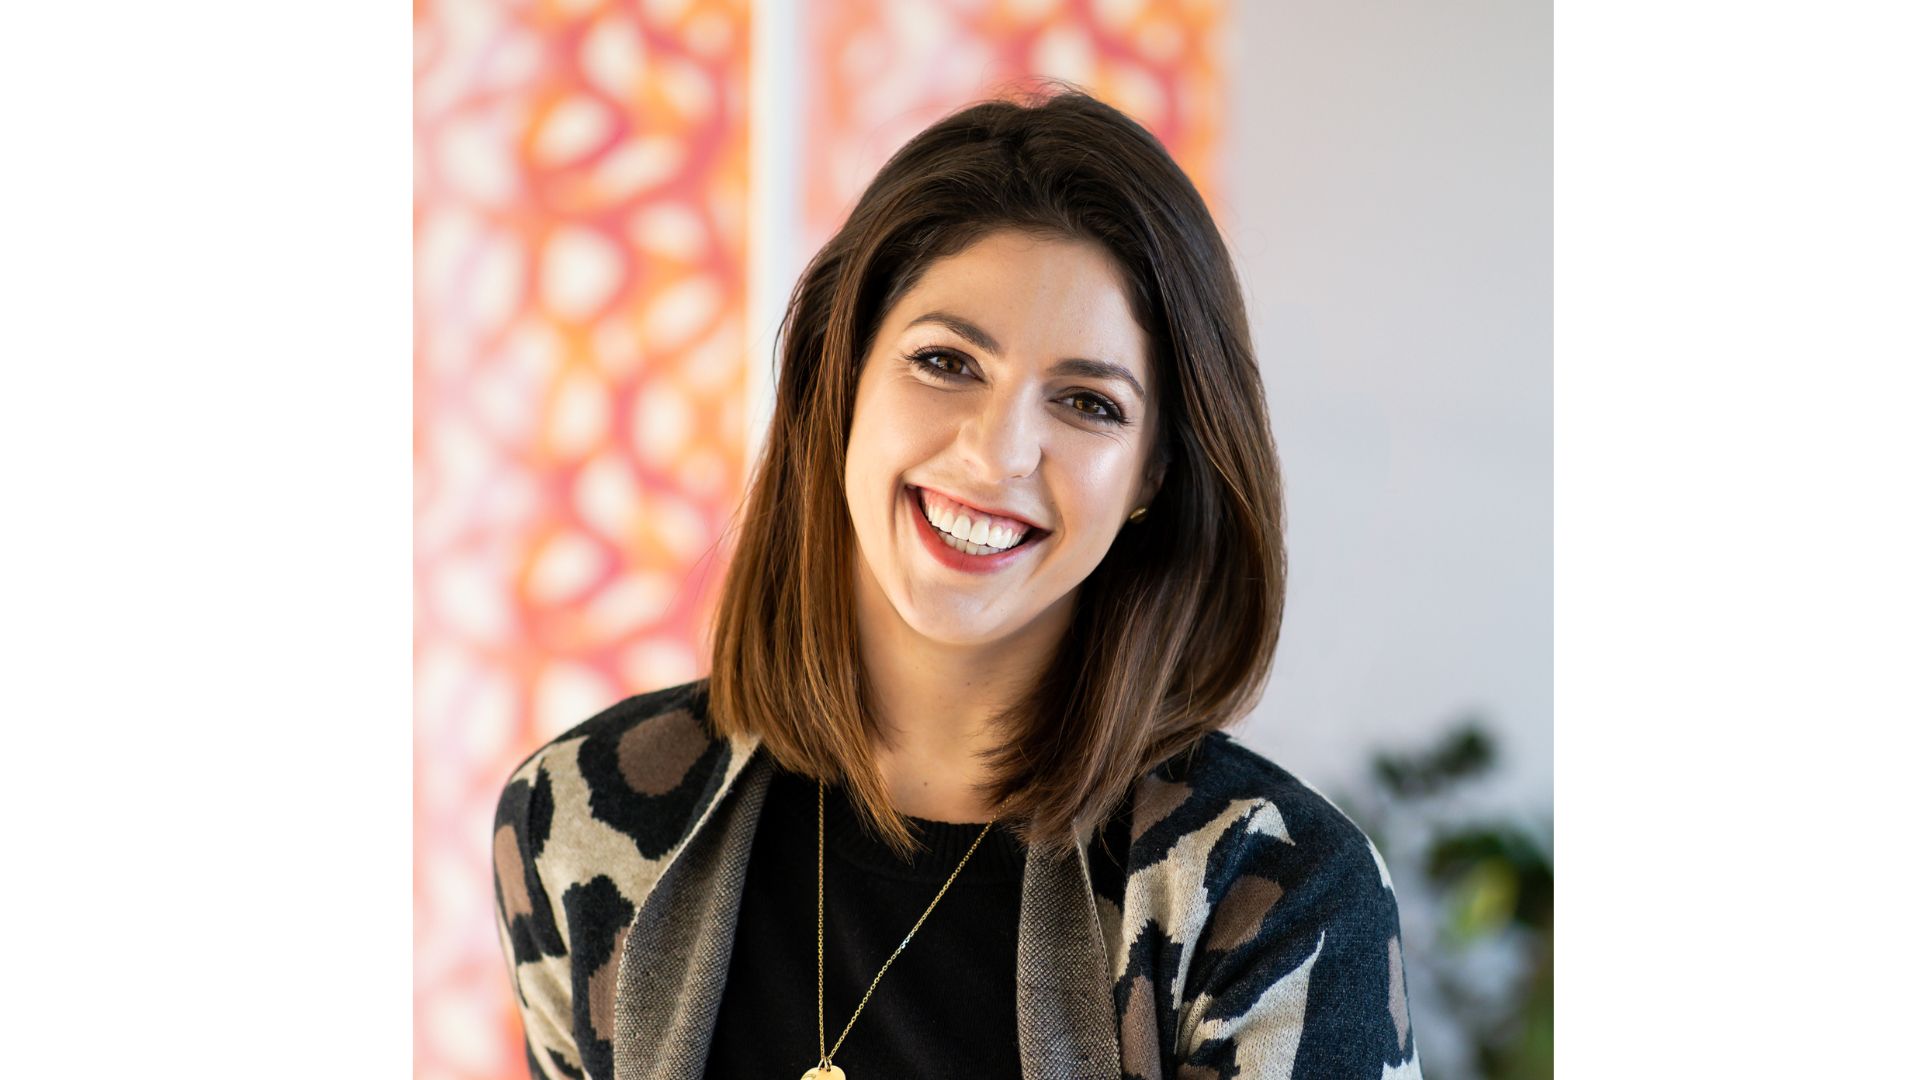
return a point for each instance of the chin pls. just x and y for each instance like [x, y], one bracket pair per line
[959, 625]
[959, 628]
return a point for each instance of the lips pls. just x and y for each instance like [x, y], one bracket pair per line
[930, 538]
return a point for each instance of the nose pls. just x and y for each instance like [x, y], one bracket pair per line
[1001, 439]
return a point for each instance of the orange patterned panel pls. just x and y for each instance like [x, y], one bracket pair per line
[880, 71]
[578, 383]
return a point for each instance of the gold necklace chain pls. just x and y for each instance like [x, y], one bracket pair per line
[826, 1067]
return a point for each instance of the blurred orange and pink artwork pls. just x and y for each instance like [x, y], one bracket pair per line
[878, 71]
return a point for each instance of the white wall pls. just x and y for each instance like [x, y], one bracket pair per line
[1389, 190]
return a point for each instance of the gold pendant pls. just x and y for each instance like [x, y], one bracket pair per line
[831, 1072]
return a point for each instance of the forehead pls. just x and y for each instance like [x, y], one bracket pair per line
[1046, 296]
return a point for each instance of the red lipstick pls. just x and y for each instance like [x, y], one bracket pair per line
[960, 560]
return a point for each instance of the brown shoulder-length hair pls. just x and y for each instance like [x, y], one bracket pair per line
[1173, 634]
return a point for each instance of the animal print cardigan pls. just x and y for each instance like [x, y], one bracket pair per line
[1239, 927]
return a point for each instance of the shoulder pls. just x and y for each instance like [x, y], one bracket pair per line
[586, 823]
[1260, 912]
[674, 714]
[1227, 804]
[639, 768]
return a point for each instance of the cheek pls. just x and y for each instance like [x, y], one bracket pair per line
[879, 449]
[1098, 485]
[893, 429]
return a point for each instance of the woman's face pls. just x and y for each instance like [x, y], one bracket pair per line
[1005, 396]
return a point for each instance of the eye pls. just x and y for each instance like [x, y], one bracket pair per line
[928, 360]
[1103, 409]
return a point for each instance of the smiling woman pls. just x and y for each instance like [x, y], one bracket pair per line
[1010, 563]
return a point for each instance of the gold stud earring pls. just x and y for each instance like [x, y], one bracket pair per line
[1138, 513]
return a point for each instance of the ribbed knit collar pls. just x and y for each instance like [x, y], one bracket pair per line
[1001, 857]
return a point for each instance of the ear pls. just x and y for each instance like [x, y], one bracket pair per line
[1156, 473]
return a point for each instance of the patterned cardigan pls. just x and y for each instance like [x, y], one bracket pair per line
[1226, 921]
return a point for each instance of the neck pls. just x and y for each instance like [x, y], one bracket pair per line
[935, 702]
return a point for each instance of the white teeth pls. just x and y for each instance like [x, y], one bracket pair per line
[960, 532]
[971, 549]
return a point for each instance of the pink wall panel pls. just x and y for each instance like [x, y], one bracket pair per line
[579, 375]
[878, 72]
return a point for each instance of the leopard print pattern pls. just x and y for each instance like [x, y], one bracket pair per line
[1250, 928]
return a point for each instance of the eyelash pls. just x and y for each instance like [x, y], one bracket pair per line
[923, 359]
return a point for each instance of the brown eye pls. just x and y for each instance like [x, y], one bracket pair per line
[1100, 408]
[928, 360]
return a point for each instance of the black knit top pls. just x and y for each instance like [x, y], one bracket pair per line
[946, 1006]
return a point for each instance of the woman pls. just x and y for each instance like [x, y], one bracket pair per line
[1009, 563]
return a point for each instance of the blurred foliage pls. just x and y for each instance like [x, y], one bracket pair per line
[1500, 875]
[1462, 754]
[1488, 885]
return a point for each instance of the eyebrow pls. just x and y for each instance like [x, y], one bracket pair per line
[1086, 369]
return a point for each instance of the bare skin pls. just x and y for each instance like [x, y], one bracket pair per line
[930, 766]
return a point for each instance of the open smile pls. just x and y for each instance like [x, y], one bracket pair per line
[989, 543]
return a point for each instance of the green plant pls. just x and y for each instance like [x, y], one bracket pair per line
[1477, 909]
